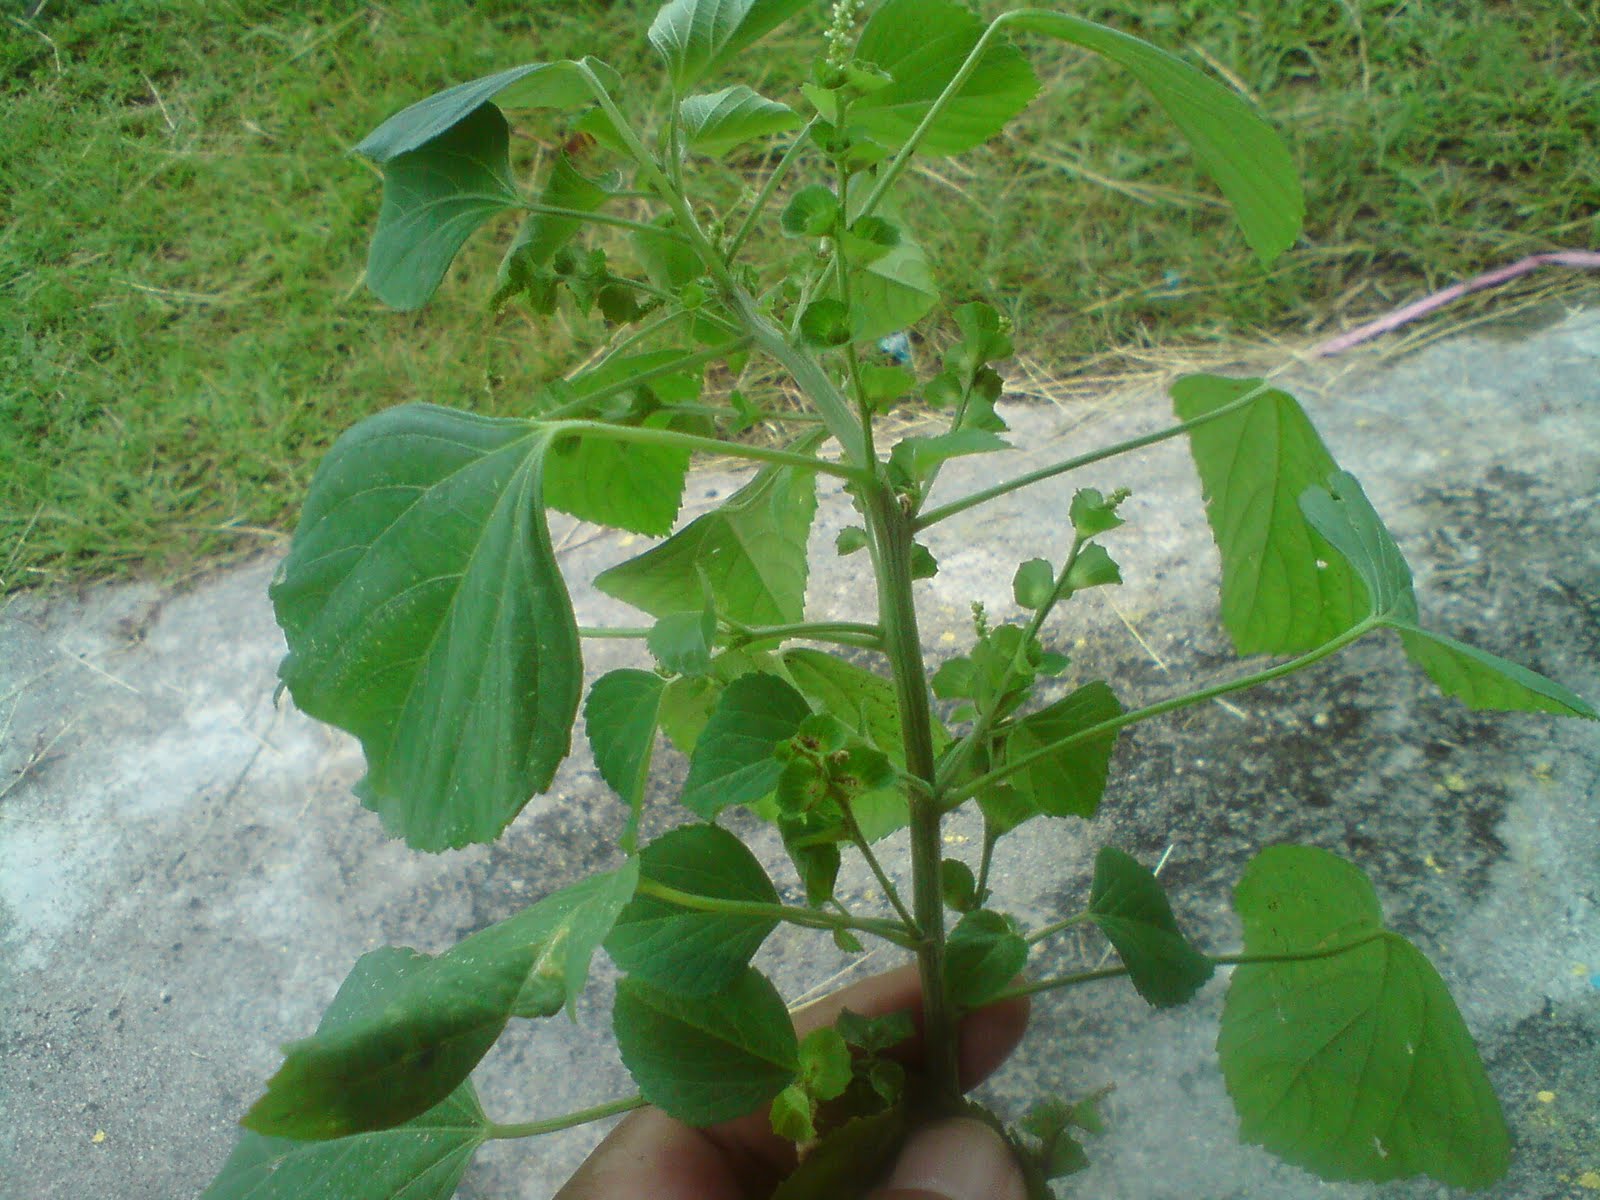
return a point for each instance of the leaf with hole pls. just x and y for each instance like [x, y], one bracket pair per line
[425, 614]
[1129, 905]
[705, 1059]
[1283, 589]
[424, 1158]
[1357, 1065]
[687, 950]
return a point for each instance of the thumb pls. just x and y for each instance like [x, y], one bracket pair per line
[954, 1160]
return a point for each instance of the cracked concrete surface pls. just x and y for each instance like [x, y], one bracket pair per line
[185, 879]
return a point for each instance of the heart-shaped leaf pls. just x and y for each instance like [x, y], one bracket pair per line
[698, 36]
[425, 614]
[1358, 1065]
[705, 1059]
[1067, 782]
[621, 716]
[683, 949]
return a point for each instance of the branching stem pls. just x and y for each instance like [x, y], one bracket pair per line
[1021, 762]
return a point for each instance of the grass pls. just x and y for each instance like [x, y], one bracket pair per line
[183, 332]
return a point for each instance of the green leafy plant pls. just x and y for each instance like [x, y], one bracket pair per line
[425, 614]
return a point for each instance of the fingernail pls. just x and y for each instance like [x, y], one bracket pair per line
[958, 1160]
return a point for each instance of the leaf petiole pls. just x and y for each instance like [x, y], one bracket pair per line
[522, 1129]
[646, 436]
[764, 197]
[1222, 960]
[810, 918]
[934, 516]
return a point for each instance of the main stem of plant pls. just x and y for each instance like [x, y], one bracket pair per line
[891, 540]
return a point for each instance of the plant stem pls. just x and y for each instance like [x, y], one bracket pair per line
[618, 632]
[599, 1112]
[891, 931]
[600, 218]
[1001, 774]
[934, 516]
[890, 538]
[646, 436]
[764, 197]
[876, 867]
[957, 759]
[985, 860]
[1045, 931]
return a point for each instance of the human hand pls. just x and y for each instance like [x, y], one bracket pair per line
[650, 1156]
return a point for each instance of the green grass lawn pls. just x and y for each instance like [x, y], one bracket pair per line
[183, 331]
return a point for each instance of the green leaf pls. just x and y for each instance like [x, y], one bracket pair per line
[423, 1159]
[689, 701]
[633, 487]
[687, 950]
[916, 457]
[394, 1062]
[875, 1034]
[825, 1066]
[816, 861]
[860, 1149]
[705, 1059]
[714, 124]
[1093, 514]
[561, 84]
[752, 552]
[1283, 590]
[959, 885]
[434, 198]
[811, 212]
[884, 384]
[1483, 680]
[1343, 515]
[733, 761]
[1355, 1066]
[1092, 568]
[1236, 147]
[985, 337]
[922, 65]
[670, 262]
[698, 36]
[1128, 904]
[825, 323]
[621, 715]
[793, 1115]
[1034, 584]
[681, 642]
[866, 704]
[891, 293]
[984, 953]
[425, 614]
[1068, 782]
